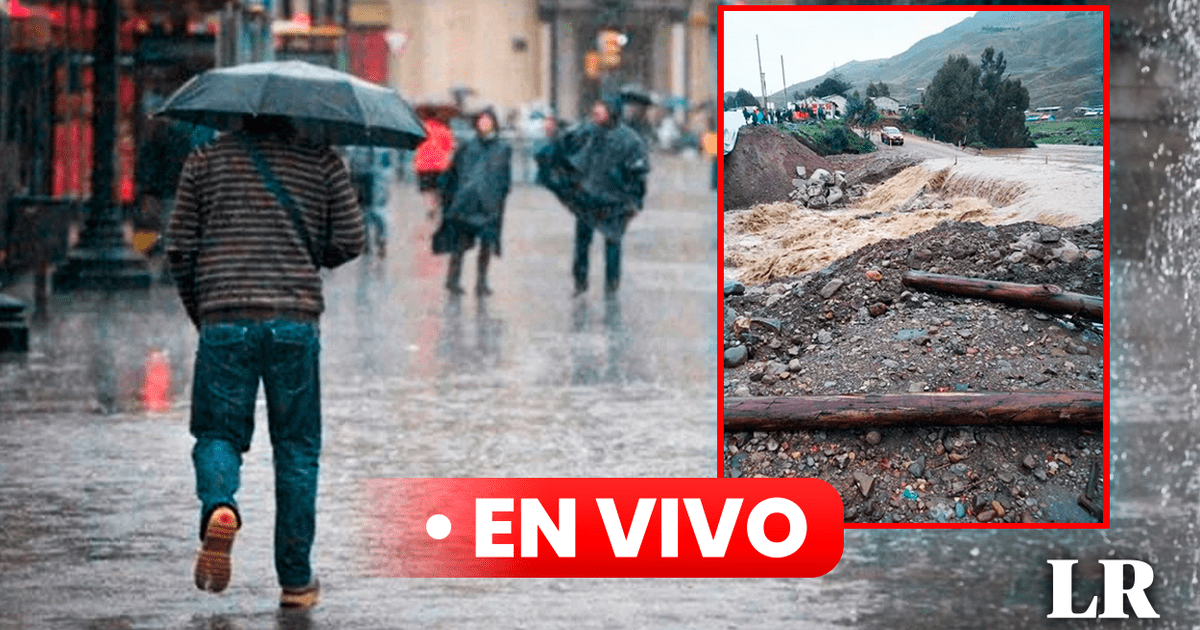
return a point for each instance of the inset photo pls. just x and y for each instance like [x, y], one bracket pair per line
[914, 260]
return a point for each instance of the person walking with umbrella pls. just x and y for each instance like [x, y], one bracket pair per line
[475, 187]
[259, 211]
[259, 325]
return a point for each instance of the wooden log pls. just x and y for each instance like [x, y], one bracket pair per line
[788, 413]
[1045, 297]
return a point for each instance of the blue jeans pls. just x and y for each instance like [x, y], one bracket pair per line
[231, 359]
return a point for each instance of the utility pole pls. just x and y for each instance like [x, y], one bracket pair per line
[784, 73]
[762, 76]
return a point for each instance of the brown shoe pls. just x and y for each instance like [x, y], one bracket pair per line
[301, 596]
[213, 564]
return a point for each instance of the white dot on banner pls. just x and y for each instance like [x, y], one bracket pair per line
[438, 526]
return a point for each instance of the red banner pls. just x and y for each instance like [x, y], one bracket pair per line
[604, 527]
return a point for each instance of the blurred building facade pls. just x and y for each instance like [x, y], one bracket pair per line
[562, 53]
[505, 53]
[47, 68]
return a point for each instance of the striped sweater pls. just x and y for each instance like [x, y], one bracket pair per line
[233, 248]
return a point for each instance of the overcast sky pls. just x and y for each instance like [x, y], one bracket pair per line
[813, 42]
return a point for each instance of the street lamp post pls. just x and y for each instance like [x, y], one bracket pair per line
[103, 260]
[14, 327]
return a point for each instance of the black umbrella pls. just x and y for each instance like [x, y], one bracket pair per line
[634, 93]
[330, 106]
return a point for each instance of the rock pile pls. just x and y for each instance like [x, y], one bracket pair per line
[823, 189]
[1047, 245]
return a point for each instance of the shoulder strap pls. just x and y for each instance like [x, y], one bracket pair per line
[281, 193]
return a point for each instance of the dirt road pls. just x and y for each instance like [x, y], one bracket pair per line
[921, 148]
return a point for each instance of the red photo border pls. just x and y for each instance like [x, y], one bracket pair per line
[1102, 9]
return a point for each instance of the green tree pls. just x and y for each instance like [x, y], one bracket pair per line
[878, 89]
[860, 111]
[833, 85]
[744, 98]
[952, 100]
[1002, 104]
[1008, 112]
[967, 104]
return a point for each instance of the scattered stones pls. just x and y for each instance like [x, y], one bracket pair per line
[1049, 234]
[736, 356]
[917, 468]
[1029, 462]
[831, 287]
[843, 342]
[865, 482]
[772, 324]
[734, 288]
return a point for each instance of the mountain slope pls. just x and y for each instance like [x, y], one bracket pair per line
[1057, 55]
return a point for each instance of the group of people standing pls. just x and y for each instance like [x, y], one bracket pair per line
[597, 169]
[797, 113]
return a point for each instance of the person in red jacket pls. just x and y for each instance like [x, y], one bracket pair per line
[432, 157]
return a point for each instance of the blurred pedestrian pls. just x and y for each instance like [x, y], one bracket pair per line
[542, 140]
[432, 157]
[599, 172]
[369, 168]
[475, 186]
[246, 252]
[709, 144]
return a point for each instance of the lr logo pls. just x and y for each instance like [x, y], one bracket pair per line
[1114, 591]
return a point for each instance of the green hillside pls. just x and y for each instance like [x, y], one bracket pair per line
[1058, 55]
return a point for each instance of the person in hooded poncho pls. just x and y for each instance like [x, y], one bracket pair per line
[475, 186]
[598, 170]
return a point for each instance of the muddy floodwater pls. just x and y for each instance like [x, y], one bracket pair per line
[1056, 185]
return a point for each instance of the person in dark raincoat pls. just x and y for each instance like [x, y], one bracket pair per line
[476, 185]
[598, 170]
